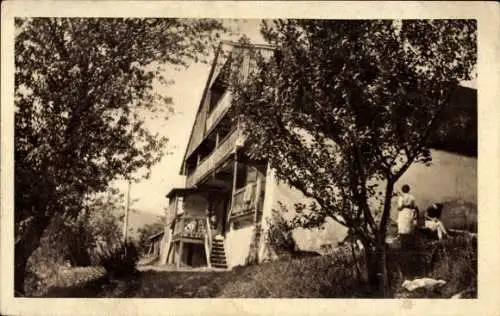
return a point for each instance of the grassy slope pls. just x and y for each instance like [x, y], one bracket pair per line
[326, 276]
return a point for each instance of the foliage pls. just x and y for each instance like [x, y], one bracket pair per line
[343, 108]
[83, 87]
[72, 242]
[453, 260]
[119, 259]
[147, 231]
[279, 233]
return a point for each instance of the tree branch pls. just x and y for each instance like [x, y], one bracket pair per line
[423, 139]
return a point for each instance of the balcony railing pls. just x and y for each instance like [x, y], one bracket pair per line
[244, 200]
[190, 227]
[213, 160]
[220, 109]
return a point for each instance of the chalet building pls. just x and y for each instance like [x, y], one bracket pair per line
[220, 218]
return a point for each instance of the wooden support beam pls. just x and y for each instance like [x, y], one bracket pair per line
[179, 259]
[257, 196]
[169, 249]
[235, 175]
[181, 243]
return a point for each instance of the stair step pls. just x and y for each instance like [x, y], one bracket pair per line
[221, 266]
[218, 254]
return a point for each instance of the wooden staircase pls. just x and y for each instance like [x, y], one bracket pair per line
[218, 255]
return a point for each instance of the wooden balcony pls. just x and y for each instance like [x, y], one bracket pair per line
[244, 201]
[213, 160]
[218, 112]
[191, 228]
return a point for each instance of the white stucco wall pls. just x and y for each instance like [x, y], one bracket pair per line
[270, 184]
[307, 239]
[450, 177]
[237, 243]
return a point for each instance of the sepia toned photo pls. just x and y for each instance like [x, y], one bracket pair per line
[182, 157]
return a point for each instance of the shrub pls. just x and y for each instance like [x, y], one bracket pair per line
[119, 260]
[279, 234]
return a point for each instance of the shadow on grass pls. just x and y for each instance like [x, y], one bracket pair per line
[86, 289]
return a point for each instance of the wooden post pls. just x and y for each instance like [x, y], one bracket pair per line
[125, 221]
[235, 174]
[217, 139]
[257, 195]
[169, 249]
[181, 243]
[176, 201]
[208, 242]
[179, 259]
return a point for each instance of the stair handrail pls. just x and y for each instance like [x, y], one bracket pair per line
[208, 241]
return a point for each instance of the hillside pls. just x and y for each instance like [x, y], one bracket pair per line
[138, 219]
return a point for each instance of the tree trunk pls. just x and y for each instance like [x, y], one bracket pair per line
[24, 247]
[384, 289]
[377, 272]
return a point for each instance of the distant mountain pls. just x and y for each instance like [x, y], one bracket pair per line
[138, 219]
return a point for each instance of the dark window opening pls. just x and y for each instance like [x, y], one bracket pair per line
[220, 84]
[223, 128]
[241, 177]
[215, 95]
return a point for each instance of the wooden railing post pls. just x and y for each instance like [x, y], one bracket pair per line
[235, 174]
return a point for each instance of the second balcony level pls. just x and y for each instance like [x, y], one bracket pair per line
[213, 152]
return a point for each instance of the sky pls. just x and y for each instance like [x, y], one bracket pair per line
[149, 195]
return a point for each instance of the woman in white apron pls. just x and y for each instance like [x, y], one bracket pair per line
[407, 219]
[407, 211]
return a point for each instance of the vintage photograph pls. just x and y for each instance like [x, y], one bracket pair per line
[245, 158]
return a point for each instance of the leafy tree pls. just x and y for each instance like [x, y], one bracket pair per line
[82, 89]
[99, 223]
[345, 107]
[76, 240]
